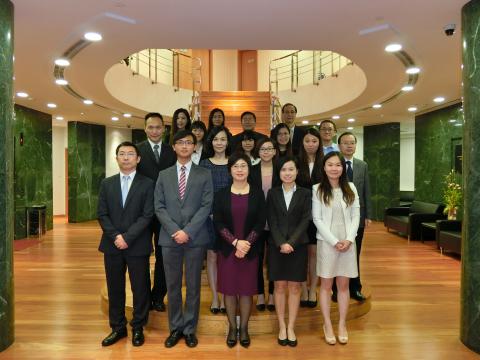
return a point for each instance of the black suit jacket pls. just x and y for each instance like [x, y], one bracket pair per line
[289, 226]
[132, 221]
[254, 221]
[148, 165]
[297, 140]
[255, 176]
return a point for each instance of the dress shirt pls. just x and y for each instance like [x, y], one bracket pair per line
[197, 154]
[287, 195]
[132, 175]
[152, 144]
[188, 166]
[330, 148]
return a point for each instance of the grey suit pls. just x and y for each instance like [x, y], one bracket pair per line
[188, 215]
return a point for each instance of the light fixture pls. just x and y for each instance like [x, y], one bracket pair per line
[412, 70]
[336, 117]
[87, 102]
[412, 108]
[393, 47]
[51, 105]
[61, 82]
[305, 122]
[407, 88]
[350, 128]
[318, 124]
[376, 106]
[114, 118]
[351, 120]
[439, 99]
[92, 36]
[22, 94]
[127, 115]
[58, 117]
[459, 124]
[62, 62]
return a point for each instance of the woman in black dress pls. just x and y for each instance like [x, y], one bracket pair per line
[288, 214]
[216, 118]
[281, 135]
[180, 121]
[200, 131]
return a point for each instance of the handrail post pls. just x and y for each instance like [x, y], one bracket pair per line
[156, 62]
[150, 64]
[314, 68]
[138, 63]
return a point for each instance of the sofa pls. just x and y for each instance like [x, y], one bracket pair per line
[408, 220]
[449, 236]
[406, 198]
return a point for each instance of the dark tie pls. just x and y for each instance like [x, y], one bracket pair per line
[349, 171]
[182, 182]
[156, 153]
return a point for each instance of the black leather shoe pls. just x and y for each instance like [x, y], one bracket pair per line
[292, 343]
[232, 337]
[191, 340]
[303, 303]
[334, 297]
[223, 310]
[114, 336]
[244, 338]
[214, 310]
[261, 307]
[271, 307]
[283, 342]
[158, 306]
[312, 304]
[138, 338]
[173, 338]
[357, 295]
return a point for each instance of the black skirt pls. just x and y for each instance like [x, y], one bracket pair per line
[287, 267]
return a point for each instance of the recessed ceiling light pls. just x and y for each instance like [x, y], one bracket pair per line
[82, 113]
[350, 128]
[459, 124]
[376, 106]
[127, 115]
[412, 108]
[452, 120]
[304, 121]
[58, 117]
[61, 82]
[407, 88]
[87, 102]
[439, 99]
[336, 117]
[52, 105]
[351, 120]
[413, 70]
[393, 47]
[62, 62]
[92, 36]
[114, 118]
[318, 124]
[22, 94]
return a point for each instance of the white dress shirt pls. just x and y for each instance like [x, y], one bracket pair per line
[288, 195]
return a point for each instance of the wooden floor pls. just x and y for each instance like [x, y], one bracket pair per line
[414, 314]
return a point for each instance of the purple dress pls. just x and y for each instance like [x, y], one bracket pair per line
[238, 276]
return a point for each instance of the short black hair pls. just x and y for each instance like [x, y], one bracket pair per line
[329, 121]
[153, 114]
[198, 124]
[248, 113]
[346, 134]
[283, 160]
[289, 104]
[248, 135]
[232, 160]
[126, 143]
[183, 134]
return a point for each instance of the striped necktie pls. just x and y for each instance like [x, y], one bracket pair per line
[182, 182]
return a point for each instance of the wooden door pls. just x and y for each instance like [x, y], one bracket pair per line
[248, 72]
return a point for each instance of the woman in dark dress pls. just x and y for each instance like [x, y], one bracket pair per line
[281, 135]
[180, 121]
[200, 131]
[310, 159]
[216, 118]
[288, 213]
[239, 218]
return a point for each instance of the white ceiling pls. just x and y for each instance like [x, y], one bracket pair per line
[45, 29]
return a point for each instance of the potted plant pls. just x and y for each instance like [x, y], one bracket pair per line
[452, 194]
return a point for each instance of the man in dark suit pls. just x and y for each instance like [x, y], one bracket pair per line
[248, 120]
[289, 114]
[125, 211]
[357, 172]
[183, 201]
[155, 157]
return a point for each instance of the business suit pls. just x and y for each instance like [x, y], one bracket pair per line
[149, 167]
[297, 141]
[189, 215]
[132, 221]
[288, 226]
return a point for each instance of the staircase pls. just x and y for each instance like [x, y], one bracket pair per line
[234, 103]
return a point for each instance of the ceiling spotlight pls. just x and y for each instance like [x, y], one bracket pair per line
[407, 88]
[92, 36]
[87, 102]
[58, 117]
[459, 124]
[114, 118]
[305, 122]
[412, 108]
[351, 120]
[350, 128]
[51, 105]
[452, 120]
[393, 48]
[62, 62]
[61, 82]
[22, 94]
[318, 124]
[413, 70]
[127, 115]
[439, 99]
[376, 106]
[336, 117]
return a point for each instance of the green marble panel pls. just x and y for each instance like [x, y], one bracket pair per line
[470, 286]
[6, 176]
[138, 135]
[382, 153]
[33, 165]
[86, 169]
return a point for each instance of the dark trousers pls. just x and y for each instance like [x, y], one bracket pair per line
[159, 289]
[115, 270]
[263, 240]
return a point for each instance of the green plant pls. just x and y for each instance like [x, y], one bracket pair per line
[452, 193]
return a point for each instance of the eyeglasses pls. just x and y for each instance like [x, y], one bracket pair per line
[327, 129]
[240, 166]
[129, 154]
[267, 149]
[184, 142]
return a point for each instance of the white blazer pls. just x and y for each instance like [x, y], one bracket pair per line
[322, 217]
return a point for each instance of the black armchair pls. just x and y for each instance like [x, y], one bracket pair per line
[449, 235]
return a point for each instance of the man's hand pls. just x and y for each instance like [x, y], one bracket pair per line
[180, 237]
[286, 248]
[120, 242]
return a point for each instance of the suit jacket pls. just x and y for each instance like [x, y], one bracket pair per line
[297, 140]
[132, 221]
[148, 166]
[189, 214]
[289, 226]
[322, 217]
[254, 221]
[255, 176]
[237, 139]
[362, 183]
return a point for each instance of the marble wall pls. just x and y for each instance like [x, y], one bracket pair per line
[436, 136]
[33, 165]
[6, 176]
[86, 169]
[382, 154]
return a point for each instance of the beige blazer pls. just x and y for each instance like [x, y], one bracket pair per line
[322, 217]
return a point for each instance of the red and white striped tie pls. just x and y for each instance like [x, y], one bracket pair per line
[182, 182]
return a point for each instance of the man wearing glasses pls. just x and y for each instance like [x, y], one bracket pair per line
[328, 130]
[183, 201]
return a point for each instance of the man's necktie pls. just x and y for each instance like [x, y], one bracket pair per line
[126, 179]
[156, 153]
[349, 171]
[182, 182]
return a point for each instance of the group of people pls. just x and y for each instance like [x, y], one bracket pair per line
[295, 199]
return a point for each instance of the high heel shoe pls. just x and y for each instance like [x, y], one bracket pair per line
[232, 337]
[244, 338]
[330, 340]
[342, 338]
